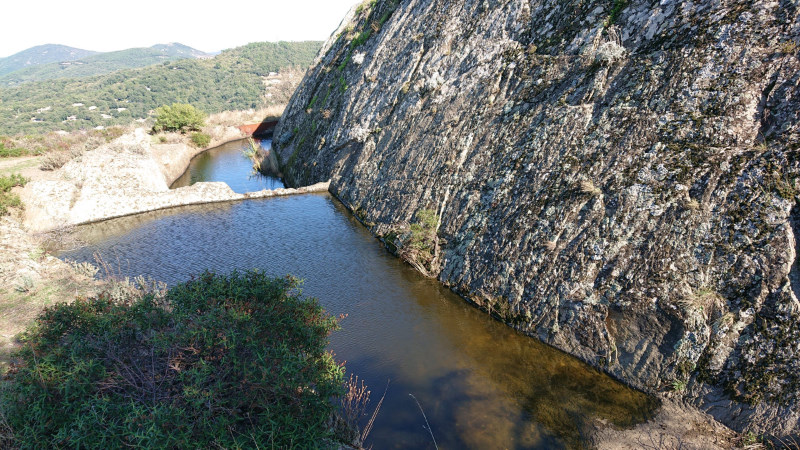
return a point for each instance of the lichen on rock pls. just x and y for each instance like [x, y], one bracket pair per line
[618, 179]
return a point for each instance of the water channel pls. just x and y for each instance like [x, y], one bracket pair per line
[480, 383]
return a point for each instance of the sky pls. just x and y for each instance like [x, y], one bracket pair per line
[107, 26]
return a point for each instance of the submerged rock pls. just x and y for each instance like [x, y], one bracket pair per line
[618, 179]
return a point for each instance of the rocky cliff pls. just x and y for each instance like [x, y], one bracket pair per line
[617, 178]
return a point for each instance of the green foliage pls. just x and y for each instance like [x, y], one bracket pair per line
[366, 4]
[616, 8]
[178, 117]
[201, 139]
[11, 152]
[361, 38]
[232, 361]
[678, 385]
[423, 231]
[7, 199]
[231, 80]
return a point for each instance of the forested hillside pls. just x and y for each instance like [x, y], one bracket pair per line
[234, 79]
[102, 63]
[41, 54]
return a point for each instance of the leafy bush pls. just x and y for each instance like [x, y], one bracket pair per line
[217, 362]
[201, 139]
[178, 117]
[7, 199]
[13, 152]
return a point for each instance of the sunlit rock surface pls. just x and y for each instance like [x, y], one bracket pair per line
[619, 179]
[127, 176]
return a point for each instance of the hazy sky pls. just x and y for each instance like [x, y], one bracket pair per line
[107, 25]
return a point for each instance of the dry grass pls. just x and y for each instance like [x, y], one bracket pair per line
[588, 188]
[41, 144]
[234, 118]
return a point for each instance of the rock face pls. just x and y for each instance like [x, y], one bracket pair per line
[127, 176]
[618, 178]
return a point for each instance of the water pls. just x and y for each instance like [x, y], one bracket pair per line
[229, 164]
[480, 383]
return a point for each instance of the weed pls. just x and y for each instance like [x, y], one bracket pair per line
[56, 160]
[86, 269]
[200, 140]
[8, 199]
[427, 425]
[25, 285]
[678, 385]
[588, 188]
[616, 8]
[421, 247]
[251, 152]
[36, 254]
[788, 47]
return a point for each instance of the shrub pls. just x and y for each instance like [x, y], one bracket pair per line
[178, 117]
[13, 152]
[216, 362]
[57, 159]
[421, 248]
[201, 139]
[7, 199]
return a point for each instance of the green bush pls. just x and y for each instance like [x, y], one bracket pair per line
[178, 117]
[201, 139]
[234, 361]
[7, 199]
[13, 152]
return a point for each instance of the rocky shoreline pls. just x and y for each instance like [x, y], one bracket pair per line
[131, 175]
[128, 176]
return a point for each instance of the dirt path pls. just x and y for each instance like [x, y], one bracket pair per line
[30, 280]
[28, 166]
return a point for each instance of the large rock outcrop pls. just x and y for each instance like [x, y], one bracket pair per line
[618, 178]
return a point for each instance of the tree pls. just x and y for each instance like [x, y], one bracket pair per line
[178, 117]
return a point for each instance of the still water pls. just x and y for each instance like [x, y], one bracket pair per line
[480, 383]
[229, 164]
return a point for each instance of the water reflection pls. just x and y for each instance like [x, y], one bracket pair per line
[229, 164]
[480, 383]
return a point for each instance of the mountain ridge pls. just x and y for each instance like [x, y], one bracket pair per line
[99, 63]
[41, 54]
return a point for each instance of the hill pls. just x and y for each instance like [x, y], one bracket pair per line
[234, 79]
[41, 54]
[102, 63]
